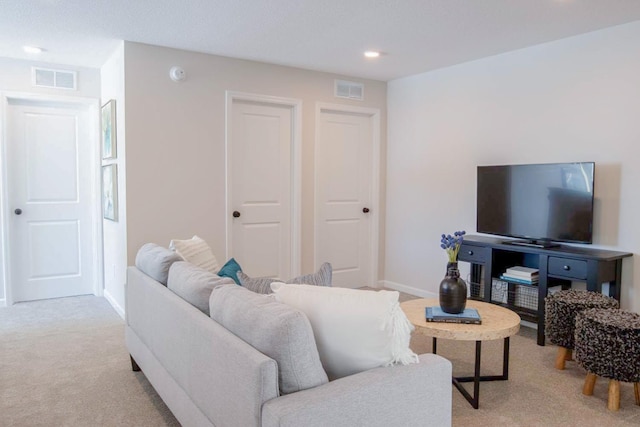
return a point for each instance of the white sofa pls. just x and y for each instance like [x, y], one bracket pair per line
[208, 376]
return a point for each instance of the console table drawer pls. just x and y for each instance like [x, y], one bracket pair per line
[473, 254]
[572, 268]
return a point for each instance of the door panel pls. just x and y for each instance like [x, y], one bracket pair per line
[49, 164]
[45, 237]
[343, 189]
[261, 163]
[51, 151]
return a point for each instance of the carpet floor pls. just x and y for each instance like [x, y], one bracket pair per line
[63, 362]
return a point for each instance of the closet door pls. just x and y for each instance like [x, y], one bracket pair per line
[260, 187]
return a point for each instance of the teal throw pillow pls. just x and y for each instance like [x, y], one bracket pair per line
[230, 269]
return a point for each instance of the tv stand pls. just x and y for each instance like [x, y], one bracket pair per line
[558, 266]
[532, 243]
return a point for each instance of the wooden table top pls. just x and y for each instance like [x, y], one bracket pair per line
[497, 322]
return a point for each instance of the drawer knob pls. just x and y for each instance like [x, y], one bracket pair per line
[470, 252]
[566, 268]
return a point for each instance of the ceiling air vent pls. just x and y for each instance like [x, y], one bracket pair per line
[350, 90]
[57, 79]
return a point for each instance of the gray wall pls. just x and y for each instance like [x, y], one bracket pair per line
[576, 99]
[175, 137]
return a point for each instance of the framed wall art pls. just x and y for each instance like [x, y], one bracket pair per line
[110, 192]
[108, 114]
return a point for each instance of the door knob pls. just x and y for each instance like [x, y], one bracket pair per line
[18, 211]
[365, 210]
[236, 214]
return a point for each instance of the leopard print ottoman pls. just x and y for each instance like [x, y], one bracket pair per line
[560, 313]
[607, 344]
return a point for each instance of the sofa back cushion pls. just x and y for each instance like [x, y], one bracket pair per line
[194, 284]
[155, 261]
[277, 330]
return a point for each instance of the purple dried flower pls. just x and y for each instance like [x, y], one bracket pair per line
[451, 244]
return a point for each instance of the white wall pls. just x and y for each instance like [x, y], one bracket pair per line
[175, 157]
[115, 233]
[577, 99]
[15, 77]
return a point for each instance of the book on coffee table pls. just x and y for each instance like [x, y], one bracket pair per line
[468, 316]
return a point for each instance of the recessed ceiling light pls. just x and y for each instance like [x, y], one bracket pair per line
[32, 49]
[371, 54]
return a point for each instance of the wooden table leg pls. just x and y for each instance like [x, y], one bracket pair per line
[636, 389]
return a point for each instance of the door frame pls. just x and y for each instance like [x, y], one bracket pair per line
[93, 109]
[296, 168]
[374, 227]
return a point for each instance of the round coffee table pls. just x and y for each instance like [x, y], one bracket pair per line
[497, 322]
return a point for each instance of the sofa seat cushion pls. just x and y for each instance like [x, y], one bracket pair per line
[194, 284]
[277, 330]
[155, 261]
[355, 330]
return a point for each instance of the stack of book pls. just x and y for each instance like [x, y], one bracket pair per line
[468, 316]
[522, 275]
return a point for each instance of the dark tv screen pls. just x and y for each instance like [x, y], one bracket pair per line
[544, 202]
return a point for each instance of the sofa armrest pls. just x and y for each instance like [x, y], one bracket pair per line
[413, 395]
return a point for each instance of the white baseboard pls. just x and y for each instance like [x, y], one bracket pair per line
[528, 324]
[407, 289]
[114, 303]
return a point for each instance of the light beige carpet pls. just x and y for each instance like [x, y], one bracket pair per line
[63, 362]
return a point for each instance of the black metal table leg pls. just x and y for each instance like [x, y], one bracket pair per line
[435, 345]
[476, 378]
[505, 359]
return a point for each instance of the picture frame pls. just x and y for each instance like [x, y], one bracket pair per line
[108, 126]
[110, 192]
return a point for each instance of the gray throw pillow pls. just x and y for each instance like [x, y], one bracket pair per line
[155, 261]
[194, 284]
[277, 330]
[322, 277]
[262, 285]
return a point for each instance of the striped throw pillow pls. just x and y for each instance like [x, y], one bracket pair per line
[262, 285]
[197, 252]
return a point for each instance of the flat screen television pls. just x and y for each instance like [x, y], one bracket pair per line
[542, 203]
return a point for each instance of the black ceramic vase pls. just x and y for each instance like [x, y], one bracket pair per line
[453, 291]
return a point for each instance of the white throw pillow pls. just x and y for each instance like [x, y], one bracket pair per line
[355, 330]
[197, 252]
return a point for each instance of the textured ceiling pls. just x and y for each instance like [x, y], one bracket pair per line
[326, 35]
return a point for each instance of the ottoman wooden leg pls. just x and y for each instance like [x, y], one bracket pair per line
[636, 389]
[561, 357]
[569, 356]
[589, 383]
[614, 395]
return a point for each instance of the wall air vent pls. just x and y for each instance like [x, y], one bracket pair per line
[350, 90]
[57, 79]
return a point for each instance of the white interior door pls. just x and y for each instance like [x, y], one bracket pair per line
[49, 198]
[345, 202]
[260, 143]
[346, 198]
